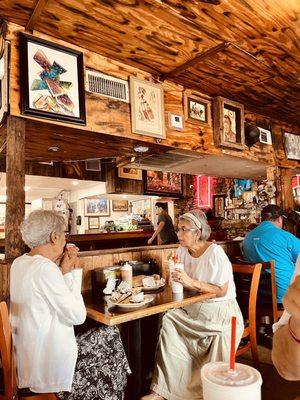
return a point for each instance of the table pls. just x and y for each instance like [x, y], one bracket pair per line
[163, 301]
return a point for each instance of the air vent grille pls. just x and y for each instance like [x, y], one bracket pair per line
[106, 85]
[93, 164]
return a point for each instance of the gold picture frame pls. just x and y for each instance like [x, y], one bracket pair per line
[197, 110]
[130, 173]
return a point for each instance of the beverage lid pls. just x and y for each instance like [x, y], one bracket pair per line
[126, 267]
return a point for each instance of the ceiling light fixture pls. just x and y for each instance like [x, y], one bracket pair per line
[75, 183]
[54, 148]
[141, 149]
[26, 188]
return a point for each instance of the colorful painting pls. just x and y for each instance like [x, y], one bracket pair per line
[163, 183]
[120, 205]
[147, 108]
[241, 186]
[96, 207]
[130, 173]
[52, 80]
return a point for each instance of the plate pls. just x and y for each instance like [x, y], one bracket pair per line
[153, 289]
[130, 306]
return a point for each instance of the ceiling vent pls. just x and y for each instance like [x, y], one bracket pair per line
[93, 164]
[106, 85]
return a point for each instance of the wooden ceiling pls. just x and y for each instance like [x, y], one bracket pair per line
[258, 63]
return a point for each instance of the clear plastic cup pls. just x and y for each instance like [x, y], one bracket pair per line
[176, 286]
[220, 383]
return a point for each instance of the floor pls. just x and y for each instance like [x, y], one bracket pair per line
[274, 387]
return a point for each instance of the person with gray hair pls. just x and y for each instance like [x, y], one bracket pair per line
[200, 333]
[46, 303]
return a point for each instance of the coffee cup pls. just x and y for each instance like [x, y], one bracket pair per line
[176, 286]
[221, 383]
[126, 274]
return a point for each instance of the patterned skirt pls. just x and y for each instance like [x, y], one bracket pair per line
[102, 367]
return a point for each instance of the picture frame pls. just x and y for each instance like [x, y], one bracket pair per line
[292, 146]
[120, 205]
[147, 108]
[219, 205]
[176, 121]
[197, 110]
[93, 223]
[163, 183]
[4, 79]
[130, 173]
[96, 207]
[228, 123]
[52, 80]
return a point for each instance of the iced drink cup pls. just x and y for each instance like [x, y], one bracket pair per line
[126, 274]
[176, 286]
[244, 383]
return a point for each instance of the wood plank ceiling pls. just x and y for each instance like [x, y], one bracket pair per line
[259, 65]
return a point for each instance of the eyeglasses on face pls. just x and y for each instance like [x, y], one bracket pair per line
[183, 229]
[67, 234]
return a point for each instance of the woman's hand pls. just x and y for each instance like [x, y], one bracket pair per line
[69, 260]
[181, 276]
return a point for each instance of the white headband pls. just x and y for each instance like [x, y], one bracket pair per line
[192, 218]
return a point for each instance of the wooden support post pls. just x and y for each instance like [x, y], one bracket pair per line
[15, 182]
[286, 188]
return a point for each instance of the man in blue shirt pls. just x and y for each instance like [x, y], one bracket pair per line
[270, 242]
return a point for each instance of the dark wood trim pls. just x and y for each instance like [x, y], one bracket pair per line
[37, 12]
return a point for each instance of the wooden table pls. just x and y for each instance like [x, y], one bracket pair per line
[163, 301]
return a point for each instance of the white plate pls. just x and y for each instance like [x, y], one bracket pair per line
[129, 306]
[152, 289]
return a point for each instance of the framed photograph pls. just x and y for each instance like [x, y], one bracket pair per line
[93, 223]
[219, 205]
[96, 207]
[120, 205]
[196, 109]
[4, 89]
[292, 146]
[265, 136]
[147, 108]
[229, 124]
[52, 82]
[176, 121]
[130, 173]
[163, 183]
[241, 186]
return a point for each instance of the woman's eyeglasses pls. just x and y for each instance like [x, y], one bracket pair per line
[67, 234]
[183, 229]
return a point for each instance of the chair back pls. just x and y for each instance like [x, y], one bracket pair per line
[246, 278]
[6, 351]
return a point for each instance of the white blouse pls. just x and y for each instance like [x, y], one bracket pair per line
[213, 267]
[45, 304]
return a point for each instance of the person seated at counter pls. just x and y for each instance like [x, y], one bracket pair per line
[270, 242]
[200, 333]
[46, 303]
[165, 231]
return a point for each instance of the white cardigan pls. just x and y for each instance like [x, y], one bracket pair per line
[45, 304]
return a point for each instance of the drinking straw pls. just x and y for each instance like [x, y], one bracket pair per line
[232, 343]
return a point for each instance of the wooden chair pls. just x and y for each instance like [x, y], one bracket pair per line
[10, 391]
[246, 279]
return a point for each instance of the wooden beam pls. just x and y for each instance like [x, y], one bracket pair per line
[191, 63]
[15, 182]
[286, 188]
[39, 8]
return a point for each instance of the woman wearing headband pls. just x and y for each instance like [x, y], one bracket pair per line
[200, 333]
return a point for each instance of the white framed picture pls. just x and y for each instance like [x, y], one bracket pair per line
[176, 121]
[265, 136]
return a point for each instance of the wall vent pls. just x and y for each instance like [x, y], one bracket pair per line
[93, 164]
[106, 85]
[265, 136]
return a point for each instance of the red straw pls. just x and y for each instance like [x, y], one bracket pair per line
[232, 343]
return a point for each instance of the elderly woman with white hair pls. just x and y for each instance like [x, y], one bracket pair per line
[194, 335]
[46, 303]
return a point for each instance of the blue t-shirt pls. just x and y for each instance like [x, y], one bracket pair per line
[268, 242]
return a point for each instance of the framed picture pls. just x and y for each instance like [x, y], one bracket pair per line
[147, 108]
[120, 205]
[4, 89]
[52, 82]
[292, 146]
[196, 109]
[96, 207]
[130, 173]
[229, 124]
[163, 183]
[265, 136]
[219, 205]
[176, 121]
[93, 223]
[241, 186]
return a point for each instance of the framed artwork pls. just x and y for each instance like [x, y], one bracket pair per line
[196, 109]
[219, 205]
[96, 207]
[130, 173]
[203, 192]
[52, 82]
[120, 205]
[229, 124]
[176, 121]
[241, 186]
[147, 108]
[163, 183]
[292, 146]
[4, 89]
[93, 223]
